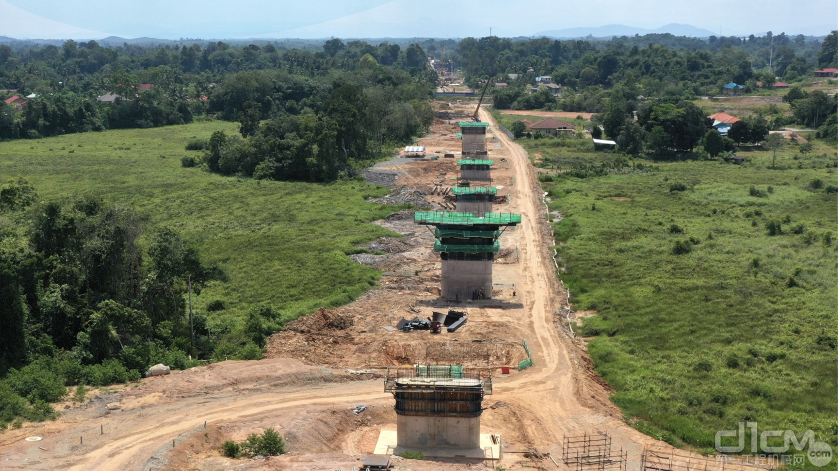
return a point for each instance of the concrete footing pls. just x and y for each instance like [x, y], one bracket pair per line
[487, 449]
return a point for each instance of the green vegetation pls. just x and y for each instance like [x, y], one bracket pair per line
[270, 443]
[281, 247]
[714, 286]
[413, 455]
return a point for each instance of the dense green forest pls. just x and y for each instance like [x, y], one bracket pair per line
[325, 110]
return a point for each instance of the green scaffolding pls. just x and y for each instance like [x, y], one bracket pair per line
[469, 124]
[440, 247]
[463, 234]
[475, 162]
[465, 190]
[436, 218]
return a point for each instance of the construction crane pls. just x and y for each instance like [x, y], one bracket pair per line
[475, 118]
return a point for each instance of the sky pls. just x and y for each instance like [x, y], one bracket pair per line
[228, 19]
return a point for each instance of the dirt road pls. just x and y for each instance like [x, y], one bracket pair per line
[310, 404]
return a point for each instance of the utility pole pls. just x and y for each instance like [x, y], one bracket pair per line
[191, 325]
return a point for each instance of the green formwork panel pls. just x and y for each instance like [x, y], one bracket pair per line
[476, 162]
[467, 190]
[436, 218]
[470, 124]
[439, 371]
[440, 247]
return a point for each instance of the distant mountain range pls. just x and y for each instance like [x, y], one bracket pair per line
[609, 31]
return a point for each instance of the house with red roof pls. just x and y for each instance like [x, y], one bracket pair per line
[723, 121]
[146, 86]
[829, 72]
[552, 127]
[16, 101]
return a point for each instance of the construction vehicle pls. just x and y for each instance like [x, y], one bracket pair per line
[475, 118]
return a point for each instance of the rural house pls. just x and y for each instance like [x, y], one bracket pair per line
[16, 101]
[553, 127]
[733, 89]
[829, 72]
[722, 122]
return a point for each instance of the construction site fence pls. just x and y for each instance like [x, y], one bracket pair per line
[506, 131]
[656, 459]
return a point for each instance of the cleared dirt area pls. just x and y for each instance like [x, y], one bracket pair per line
[548, 114]
[323, 365]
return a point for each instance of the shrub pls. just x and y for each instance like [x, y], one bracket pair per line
[270, 443]
[831, 189]
[675, 229]
[677, 187]
[774, 227]
[703, 365]
[231, 449]
[36, 382]
[732, 361]
[188, 162]
[681, 247]
[250, 351]
[754, 191]
[816, 184]
[109, 372]
[196, 144]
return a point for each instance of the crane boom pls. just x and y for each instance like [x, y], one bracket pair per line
[481, 99]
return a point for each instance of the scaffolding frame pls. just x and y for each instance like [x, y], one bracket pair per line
[657, 459]
[435, 218]
[592, 452]
[438, 377]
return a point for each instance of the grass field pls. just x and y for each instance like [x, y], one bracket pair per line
[703, 318]
[281, 243]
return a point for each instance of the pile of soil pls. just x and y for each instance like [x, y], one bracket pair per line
[320, 321]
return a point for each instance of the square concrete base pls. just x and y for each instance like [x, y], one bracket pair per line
[488, 451]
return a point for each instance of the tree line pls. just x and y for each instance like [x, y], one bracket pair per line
[190, 82]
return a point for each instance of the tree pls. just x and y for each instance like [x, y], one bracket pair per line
[713, 143]
[333, 46]
[672, 126]
[757, 128]
[814, 109]
[249, 118]
[614, 117]
[774, 143]
[596, 132]
[794, 94]
[630, 139]
[739, 132]
[828, 55]
[518, 129]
